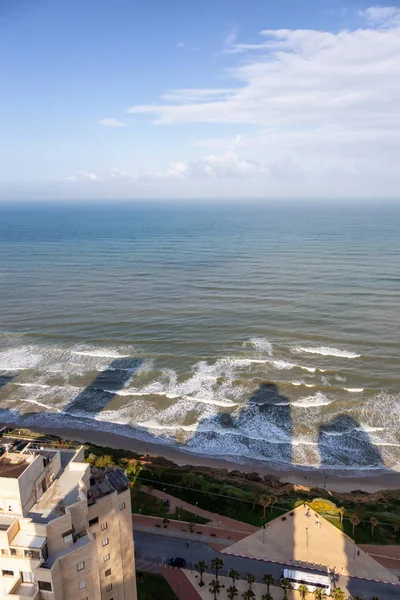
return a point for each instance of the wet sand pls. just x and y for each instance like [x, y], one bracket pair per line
[311, 477]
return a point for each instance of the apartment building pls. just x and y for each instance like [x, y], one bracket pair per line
[65, 529]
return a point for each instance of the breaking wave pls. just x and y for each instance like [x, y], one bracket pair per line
[325, 351]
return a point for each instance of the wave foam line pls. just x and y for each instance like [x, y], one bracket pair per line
[326, 351]
[99, 354]
[354, 390]
[226, 402]
[318, 399]
[51, 408]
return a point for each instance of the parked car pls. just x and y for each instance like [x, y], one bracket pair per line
[176, 561]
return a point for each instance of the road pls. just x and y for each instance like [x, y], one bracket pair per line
[157, 549]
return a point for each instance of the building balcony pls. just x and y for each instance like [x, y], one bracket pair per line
[23, 591]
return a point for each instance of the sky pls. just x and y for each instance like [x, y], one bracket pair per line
[199, 99]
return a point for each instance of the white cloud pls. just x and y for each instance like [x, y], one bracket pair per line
[180, 45]
[214, 166]
[387, 16]
[111, 122]
[84, 176]
[322, 106]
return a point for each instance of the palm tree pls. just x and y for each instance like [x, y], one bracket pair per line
[264, 501]
[250, 578]
[274, 500]
[234, 575]
[266, 596]
[354, 520]
[396, 526]
[269, 580]
[201, 567]
[217, 564]
[319, 594]
[248, 595]
[215, 588]
[338, 594]
[342, 512]
[374, 522]
[231, 592]
[286, 585]
[303, 589]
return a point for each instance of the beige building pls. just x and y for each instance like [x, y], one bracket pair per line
[65, 529]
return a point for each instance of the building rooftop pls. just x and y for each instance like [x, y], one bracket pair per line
[63, 492]
[104, 483]
[13, 465]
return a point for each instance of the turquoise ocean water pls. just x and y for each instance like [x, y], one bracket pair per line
[259, 332]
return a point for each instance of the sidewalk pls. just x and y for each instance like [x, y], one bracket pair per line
[216, 521]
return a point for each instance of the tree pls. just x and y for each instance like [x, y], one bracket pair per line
[201, 567]
[274, 500]
[215, 588]
[338, 594]
[374, 522]
[342, 512]
[354, 520]
[319, 594]
[264, 501]
[248, 595]
[286, 585]
[231, 592]
[217, 564]
[396, 527]
[269, 580]
[250, 578]
[303, 589]
[234, 575]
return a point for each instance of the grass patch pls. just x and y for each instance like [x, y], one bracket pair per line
[153, 587]
[154, 507]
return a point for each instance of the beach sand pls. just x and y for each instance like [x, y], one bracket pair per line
[312, 477]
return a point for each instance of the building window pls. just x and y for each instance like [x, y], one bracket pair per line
[106, 557]
[122, 506]
[104, 526]
[108, 573]
[45, 586]
[105, 542]
[82, 584]
[80, 566]
[7, 573]
[109, 587]
[93, 521]
[67, 537]
[5, 552]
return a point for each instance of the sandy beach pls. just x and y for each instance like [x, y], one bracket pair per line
[311, 477]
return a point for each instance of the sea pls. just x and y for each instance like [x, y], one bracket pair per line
[249, 331]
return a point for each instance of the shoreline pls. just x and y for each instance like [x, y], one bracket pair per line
[308, 477]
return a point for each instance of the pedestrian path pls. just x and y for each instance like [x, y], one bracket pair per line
[216, 521]
[180, 584]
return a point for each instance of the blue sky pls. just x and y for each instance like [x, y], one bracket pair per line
[187, 99]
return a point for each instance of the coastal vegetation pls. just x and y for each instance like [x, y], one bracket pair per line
[247, 497]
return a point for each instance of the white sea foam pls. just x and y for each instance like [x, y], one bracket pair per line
[39, 385]
[41, 404]
[100, 353]
[298, 383]
[326, 351]
[160, 427]
[354, 390]
[319, 399]
[262, 345]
